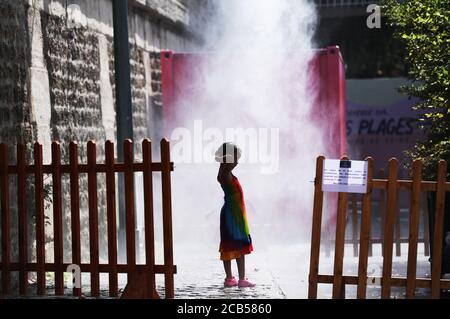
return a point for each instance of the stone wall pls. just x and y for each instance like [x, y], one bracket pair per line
[15, 115]
[139, 64]
[17, 124]
[72, 60]
[155, 97]
[138, 97]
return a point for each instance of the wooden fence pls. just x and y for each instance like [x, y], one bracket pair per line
[353, 222]
[391, 185]
[56, 169]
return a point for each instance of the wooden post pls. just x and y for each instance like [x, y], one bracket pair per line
[364, 242]
[167, 218]
[438, 231]
[413, 229]
[339, 245]
[426, 226]
[397, 232]
[93, 218]
[75, 208]
[23, 220]
[111, 216]
[57, 219]
[316, 230]
[129, 207]
[355, 225]
[392, 192]
[370, 237]
[5, 214]
[148, 217]
[382, 212]
[40, 219]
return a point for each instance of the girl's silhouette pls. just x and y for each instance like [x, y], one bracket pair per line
[235, 240]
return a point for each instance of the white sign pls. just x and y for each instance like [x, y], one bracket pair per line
[344, 176]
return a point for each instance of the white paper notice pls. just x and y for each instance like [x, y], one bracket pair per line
[344, 176]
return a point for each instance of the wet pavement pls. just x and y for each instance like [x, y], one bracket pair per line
[279, 271]
[203, 276]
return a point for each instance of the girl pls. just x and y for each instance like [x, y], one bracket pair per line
[235, 240]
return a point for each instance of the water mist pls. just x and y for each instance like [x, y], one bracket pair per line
[253, 89]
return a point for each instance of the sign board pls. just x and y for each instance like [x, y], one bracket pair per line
[380, 121]
[344, 176]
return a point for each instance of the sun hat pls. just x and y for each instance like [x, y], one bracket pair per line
[226, 153]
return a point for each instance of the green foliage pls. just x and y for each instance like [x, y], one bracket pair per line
[424, 28]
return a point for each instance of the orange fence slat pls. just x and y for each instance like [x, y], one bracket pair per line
[57, 219]
[87, 267]
[23, 220]
[129, 205]
[392, 194]
[397, 232]
[40, 218]
[148, 214]
[366, 219]
[167, 217]
[338, 285]
[382, 211]
[426, 227]
[5, 219]
[316, 230]
[83, 168]
[395, 282]
[438, 231]
[413, 229]
[111, 217]
[93, 217]
[355, 224]
[75, 208]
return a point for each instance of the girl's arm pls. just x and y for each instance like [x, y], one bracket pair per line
[224, 176]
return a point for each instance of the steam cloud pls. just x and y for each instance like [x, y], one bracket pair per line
[254, 76]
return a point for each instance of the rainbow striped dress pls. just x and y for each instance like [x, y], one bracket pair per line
[235, 239]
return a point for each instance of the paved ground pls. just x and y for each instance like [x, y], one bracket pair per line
[202, 277]
[279, 271]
